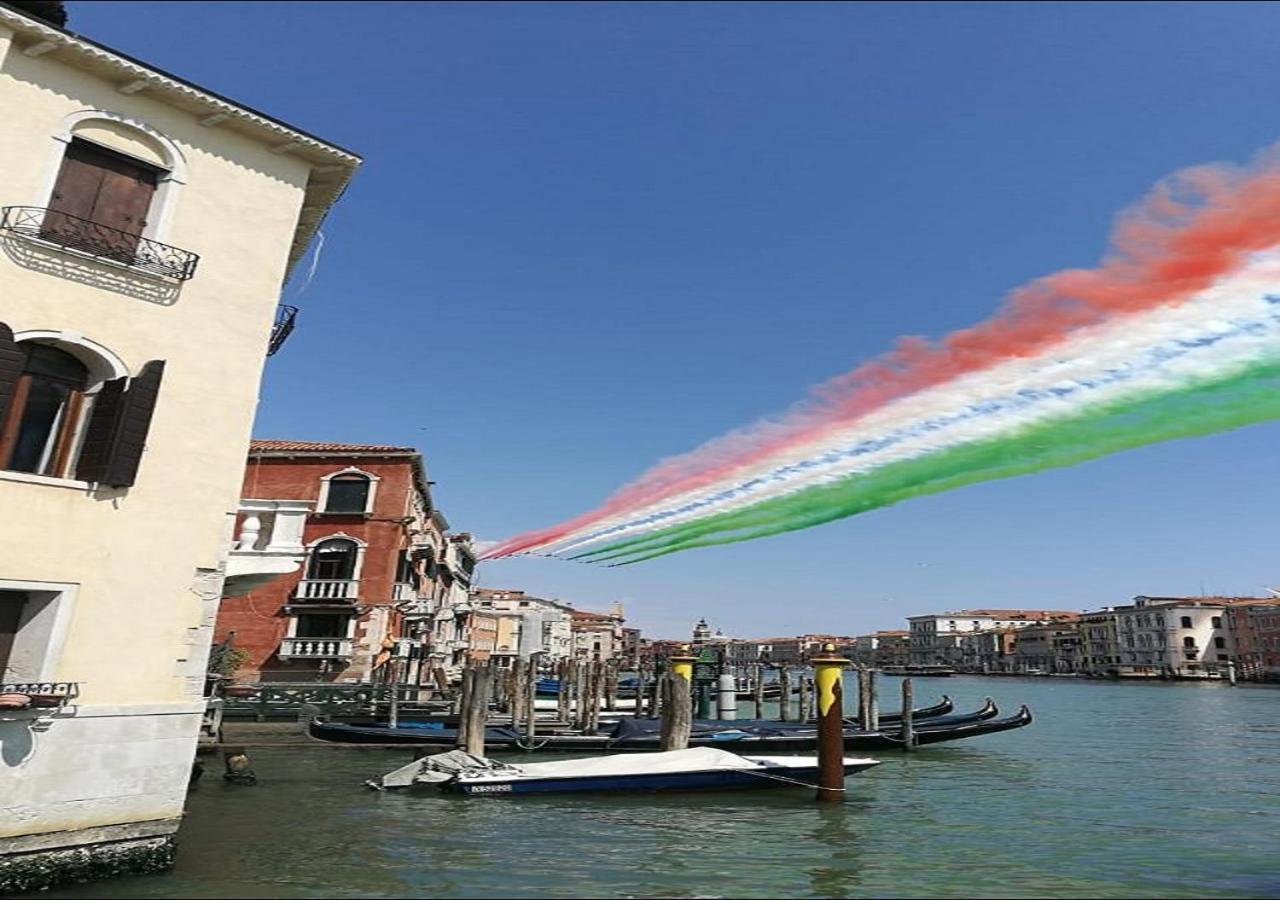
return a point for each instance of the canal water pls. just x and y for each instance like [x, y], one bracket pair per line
[1117, 790]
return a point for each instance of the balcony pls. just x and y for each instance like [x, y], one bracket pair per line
[101, 242]
[286, 319]
[315, 648]
[268, 545]
[327, 590]
[403, 592]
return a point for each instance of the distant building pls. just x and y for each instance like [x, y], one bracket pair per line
[528, 624]
[935, 637]
[989, 652]
[1099, 650]
[597, 635]
[1047, 648]
[1178, 637]
[881, 648]
[1255, 631]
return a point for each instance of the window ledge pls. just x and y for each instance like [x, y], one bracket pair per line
[363, 514]
[47, 480]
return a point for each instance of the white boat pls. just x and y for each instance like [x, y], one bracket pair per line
[699, 768]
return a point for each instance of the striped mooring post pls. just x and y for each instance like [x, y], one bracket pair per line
[828, 672]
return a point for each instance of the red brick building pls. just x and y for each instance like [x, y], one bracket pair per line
[373, 544]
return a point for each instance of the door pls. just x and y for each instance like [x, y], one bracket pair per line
[100, 201]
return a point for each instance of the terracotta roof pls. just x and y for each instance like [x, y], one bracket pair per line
[258, 445]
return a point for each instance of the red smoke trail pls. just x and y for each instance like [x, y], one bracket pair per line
[1190, 230]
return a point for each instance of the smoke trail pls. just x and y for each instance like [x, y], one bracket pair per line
[1190, 231]
[1251, 396]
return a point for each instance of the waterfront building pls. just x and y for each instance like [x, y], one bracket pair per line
[1099, 649]
[1046, 648]
[935, 637]
[881, 648]
[1255, 633]
[482, 638]
[374, 553]
[1178, 637]
[989, 652]
[449, 608]
[147, 226]
[630, 652]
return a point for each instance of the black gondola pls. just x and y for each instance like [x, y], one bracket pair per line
[642, 734]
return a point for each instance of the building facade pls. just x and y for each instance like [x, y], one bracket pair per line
[935, 637]
[147, 228]
[369, 520]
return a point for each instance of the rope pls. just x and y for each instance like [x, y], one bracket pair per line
[795, 781]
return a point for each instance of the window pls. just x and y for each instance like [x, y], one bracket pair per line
[1216, 621]
[1189, 643]
[333, 560]
[347, 494]
[1220, 643]
[1186, 621]
[404, 568]
[100, 187]
[321, 626]
[33, 623]
[45, 411]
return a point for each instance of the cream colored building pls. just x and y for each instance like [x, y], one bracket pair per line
[148, 225]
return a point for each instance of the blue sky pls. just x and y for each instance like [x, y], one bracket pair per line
[590, 236]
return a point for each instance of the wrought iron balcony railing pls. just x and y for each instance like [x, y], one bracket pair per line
[99, 241]
[286, 318]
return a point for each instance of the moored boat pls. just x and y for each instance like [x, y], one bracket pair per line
[702, 768]
[643, 734]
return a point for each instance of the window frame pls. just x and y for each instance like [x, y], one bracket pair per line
[52, 615]
[102, 366]
[313, 547]
[322, 501]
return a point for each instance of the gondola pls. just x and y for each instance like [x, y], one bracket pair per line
[643, 734]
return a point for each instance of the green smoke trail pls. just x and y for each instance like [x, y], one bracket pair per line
[1246, 396]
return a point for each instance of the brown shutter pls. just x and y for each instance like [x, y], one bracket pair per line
[117, 431]
[12, 361]
[100, 433]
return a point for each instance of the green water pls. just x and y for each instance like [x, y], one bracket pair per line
[1124, 790]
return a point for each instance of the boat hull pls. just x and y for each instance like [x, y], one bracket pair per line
[708, 780]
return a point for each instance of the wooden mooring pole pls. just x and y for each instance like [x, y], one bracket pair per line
[677, 711]
[908, 716]
[464, 705]
[530, 702]
[784, 697]
[829, 669]
[478, 712]
[757, 692]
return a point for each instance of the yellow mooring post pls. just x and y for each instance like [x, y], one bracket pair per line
[682, 665]
[828, 669]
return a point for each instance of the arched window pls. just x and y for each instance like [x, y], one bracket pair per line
[347, 492]
[333, 560]
[68, 408]
[41, 426]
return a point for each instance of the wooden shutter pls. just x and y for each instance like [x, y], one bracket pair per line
[104, 188]
[117, 430]
[12, 361]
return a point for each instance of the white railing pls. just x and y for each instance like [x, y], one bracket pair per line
[403, 592]
[326, 589]
[315, 648]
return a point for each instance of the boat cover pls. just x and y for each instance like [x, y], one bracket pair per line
[696, 759]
